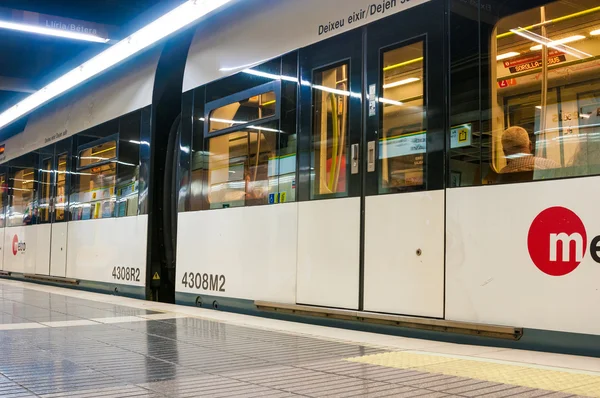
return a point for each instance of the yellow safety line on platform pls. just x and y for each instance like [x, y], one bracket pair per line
[517, 375]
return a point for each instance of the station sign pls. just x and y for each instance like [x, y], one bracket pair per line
[56, 22]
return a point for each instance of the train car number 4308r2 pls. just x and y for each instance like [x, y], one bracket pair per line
[126, 274]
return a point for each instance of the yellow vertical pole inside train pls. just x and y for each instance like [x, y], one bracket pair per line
[334, 149]
[342, 125]
[543, 113]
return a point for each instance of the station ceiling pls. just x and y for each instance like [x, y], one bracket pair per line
[30, 61]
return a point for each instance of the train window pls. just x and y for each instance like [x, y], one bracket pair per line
[61, 193]
[94, 192]
[246, 110]
[238, 167]
[546, 93]
[98, 153]
[128, 165]
[3, 194]
[93, 195]
[127, 194]
[251, 161]
[330, 132]
[22, 197]
[45, 191]
[402, 146]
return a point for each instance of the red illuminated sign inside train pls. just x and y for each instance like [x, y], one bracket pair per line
[507, 83]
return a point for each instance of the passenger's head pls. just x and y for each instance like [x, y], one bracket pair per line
[516, 140]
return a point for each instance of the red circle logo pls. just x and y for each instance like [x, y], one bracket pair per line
[15, 245]
[557, 241]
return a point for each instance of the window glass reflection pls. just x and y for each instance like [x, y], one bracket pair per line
[245, 168]
[402, 145]
[61, 195]
[546, 93]
[45, 191]
[23, 208]
[330, 132]
[253, 108]
[98, 153]
[94, 193]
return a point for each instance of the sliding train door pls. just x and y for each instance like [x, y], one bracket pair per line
[40, 220]
[58, 240]
[52, 228]
[404, 195]
[371, 211]
[330, 173]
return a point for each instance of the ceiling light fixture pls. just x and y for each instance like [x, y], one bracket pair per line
[553, 21]
[401, 82]
[171, 22]
[507, 55]
[564, 40]
[595, 32]
[405, 63]
[549, 43]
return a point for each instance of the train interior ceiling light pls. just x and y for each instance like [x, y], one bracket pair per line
[171, 22]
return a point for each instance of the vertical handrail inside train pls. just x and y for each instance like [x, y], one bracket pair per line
[342, 140]
[543, 112]
[258, 139]
[334, 149]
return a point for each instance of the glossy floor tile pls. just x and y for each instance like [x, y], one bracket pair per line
[64, 343]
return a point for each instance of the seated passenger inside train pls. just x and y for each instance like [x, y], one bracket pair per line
[256, 191]
[518, 152]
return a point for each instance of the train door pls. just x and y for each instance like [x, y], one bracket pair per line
[371, 219]
[404, 189]
[330, 180]
[58, 242]
[43, 219]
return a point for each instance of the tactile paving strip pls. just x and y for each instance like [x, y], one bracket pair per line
[581, 383]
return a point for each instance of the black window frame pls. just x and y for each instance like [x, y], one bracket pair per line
[81, 148]
[274, 86]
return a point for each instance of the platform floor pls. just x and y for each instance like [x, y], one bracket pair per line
[66, 343]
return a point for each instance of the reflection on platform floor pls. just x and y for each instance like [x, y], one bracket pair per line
[54, 345]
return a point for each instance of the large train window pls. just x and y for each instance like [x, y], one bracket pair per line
[93, 193]
[330, 131]
[238, 167]
[402, 146]
[23, 208]
[546, 93]
[250, 160]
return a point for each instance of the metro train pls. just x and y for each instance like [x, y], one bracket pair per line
[416, 167]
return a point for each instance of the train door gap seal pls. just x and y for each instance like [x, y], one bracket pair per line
[440, 325]
[55, 279]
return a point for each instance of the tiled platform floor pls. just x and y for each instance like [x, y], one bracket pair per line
[64, 343]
